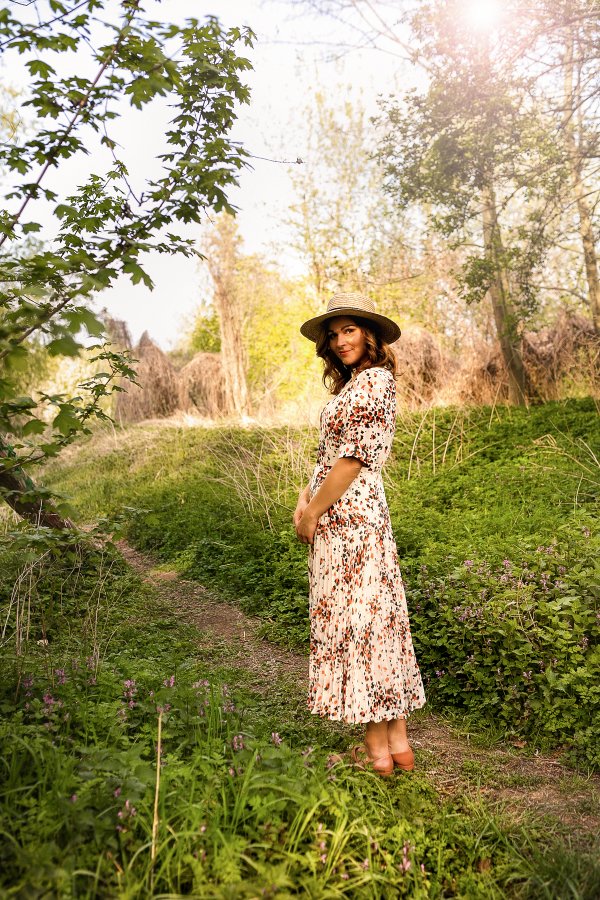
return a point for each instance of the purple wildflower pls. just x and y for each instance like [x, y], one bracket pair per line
[276, 738]
[406, 863]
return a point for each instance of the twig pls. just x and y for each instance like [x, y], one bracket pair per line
[156, 795]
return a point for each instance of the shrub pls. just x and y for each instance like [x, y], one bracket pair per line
[479, 485]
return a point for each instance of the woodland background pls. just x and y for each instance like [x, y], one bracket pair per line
[467, 210]
[140, 754]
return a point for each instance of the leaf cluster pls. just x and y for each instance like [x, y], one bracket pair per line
[104, 229]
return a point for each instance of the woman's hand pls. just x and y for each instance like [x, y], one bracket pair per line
[306, 527]
[336, 482]
[302, 504]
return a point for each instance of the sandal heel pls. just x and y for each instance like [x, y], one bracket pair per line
[405, 760]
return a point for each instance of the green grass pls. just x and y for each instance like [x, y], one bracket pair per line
[495, 517]
[241, 814]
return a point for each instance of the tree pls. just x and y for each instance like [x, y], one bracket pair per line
[348, 229]
[572, 31]
[105, 227]
[338, 214]
[223, 256]
[473, 150]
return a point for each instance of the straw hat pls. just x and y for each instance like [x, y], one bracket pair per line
[351, 304]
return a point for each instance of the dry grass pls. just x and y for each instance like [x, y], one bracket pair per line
[156, 393]
[202, 386]
[424, 367]
[267, 477]
[560, 361]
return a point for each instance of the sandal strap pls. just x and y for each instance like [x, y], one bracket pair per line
[361, 750]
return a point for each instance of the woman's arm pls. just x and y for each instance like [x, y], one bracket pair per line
[337, 481]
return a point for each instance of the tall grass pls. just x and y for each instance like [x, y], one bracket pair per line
[144, 773]
[494, 513]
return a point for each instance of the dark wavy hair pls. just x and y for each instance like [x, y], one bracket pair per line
[335, 373]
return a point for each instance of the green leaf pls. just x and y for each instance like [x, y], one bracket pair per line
[34, 426]
[39, 67]
[63, 211]
[64, 346]
[66, 421]
[85, 317]
[17, 358]
[137, 274]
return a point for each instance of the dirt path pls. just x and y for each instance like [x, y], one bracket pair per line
[520, 784]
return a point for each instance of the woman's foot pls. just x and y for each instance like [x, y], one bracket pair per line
[398, 746]
[362, 759]
[404, 760]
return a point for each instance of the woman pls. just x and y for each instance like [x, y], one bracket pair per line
[362, 662]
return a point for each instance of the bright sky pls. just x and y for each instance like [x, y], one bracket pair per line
[296, 51]
[288, 60]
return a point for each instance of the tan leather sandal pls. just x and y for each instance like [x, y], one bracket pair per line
[362, 760]
[404, 760]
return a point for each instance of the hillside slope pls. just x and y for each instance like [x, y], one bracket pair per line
[494, 513]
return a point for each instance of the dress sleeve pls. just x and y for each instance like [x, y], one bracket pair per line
[370, 416]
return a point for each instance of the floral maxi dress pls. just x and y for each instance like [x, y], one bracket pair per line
[362, 662]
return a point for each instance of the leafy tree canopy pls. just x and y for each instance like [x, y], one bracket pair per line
[104, 228]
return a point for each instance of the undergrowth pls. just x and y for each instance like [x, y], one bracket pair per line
[243, 806]
[494, 513]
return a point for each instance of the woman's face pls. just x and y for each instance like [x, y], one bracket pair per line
[347, 341]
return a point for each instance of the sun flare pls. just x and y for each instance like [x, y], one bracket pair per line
[483, 15]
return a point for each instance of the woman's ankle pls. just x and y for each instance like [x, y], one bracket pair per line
[376, 740]
[397, 737]
[399, 747]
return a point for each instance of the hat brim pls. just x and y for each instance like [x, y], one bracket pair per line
[388, 329]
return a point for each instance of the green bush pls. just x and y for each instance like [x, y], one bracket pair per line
[242, 810]
[516, 641]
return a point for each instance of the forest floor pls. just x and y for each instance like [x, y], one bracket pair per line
[523, 784]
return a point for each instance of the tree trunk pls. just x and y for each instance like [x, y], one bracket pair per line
[222, 256]
[505, 317]
[574, 158]
[19, 491]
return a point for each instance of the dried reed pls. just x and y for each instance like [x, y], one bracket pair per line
[156, 394]
[202, 386]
